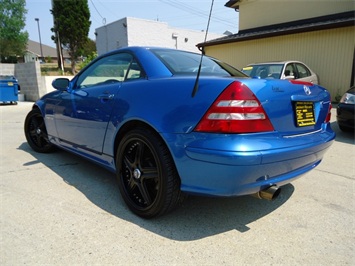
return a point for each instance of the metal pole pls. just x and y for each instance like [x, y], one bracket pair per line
[57, 43]
[60, 54]
[40, 41]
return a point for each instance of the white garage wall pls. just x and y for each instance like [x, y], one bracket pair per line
[141, 32]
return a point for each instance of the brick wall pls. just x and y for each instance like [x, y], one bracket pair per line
[28, 76]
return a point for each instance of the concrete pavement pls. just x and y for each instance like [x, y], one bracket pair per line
[58, 209]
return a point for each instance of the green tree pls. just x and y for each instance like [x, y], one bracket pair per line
[89, 48]
[88, 53]
[71, 24]
[13, 41]
[87, 60]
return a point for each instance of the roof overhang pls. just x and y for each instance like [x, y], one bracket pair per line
[33, 53]
[233, 4]
[306, 25]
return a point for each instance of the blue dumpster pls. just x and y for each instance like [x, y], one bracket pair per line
[8, 89]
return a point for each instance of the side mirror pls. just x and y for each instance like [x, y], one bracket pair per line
[61, 84]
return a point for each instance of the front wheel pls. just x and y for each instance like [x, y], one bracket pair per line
[148, 180]
[36, 133]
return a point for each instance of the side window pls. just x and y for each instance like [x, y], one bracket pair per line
[303, 71]
[290, 71]
[134, 71]
[110, 69]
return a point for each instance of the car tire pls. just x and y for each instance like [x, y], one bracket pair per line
[345, 129]
[36, 132]
[147, 176]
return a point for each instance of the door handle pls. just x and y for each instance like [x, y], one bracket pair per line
[106, 96]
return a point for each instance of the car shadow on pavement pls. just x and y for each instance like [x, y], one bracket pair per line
[197, 218]
[342, 136]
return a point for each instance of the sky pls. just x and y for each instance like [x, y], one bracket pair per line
[185, 14]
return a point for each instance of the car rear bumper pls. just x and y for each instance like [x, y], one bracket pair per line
[345, 115]
[234, 173]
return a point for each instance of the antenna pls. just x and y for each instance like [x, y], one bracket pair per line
[202, 54]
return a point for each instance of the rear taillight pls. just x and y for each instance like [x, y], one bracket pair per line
[236, 110]
[301, 82]
[329, 115]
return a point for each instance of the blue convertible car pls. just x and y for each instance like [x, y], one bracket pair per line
[170, 124]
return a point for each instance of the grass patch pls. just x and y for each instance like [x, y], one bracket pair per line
[51, 69]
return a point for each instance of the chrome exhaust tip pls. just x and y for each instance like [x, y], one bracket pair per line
[269, 193]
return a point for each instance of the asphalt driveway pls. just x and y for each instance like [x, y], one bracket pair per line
[58, 209]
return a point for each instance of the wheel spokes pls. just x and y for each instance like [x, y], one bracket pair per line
[37, 132]
[150, 173]
[128, 165]
[33, 133]
[145, 194]
[139, 154]
[142, 173]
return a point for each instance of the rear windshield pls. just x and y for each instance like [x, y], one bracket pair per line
[185, 63]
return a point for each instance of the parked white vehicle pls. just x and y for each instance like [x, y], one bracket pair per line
[282, 70]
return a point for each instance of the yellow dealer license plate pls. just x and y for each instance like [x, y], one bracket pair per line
[304, 114]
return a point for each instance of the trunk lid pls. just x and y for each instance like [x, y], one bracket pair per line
[293, 107]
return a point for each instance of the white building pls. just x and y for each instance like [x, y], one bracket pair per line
[140, 32]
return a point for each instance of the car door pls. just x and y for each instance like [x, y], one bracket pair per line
[304, 73]
[83, 114]
[290, 72]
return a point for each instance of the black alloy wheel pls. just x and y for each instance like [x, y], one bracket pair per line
[36, 133]
[148, 180]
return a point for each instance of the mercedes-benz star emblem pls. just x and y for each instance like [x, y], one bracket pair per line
[307, 90]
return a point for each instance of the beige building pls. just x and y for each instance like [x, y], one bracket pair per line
[320, 33]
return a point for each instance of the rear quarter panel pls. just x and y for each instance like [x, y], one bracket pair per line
[164, 104]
